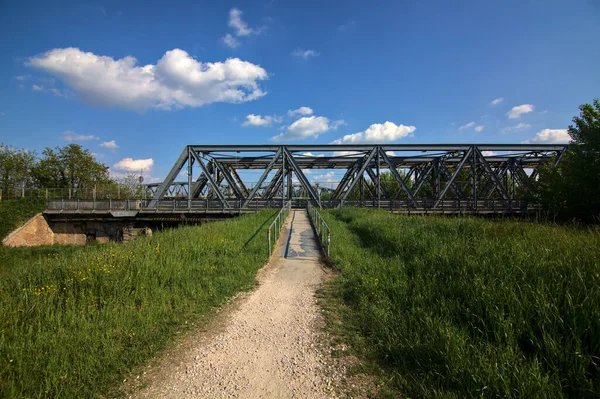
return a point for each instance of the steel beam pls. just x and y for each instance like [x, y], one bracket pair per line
[268, 169]
[456, 172]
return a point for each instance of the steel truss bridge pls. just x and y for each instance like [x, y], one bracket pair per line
[420, 178]
[425, 177]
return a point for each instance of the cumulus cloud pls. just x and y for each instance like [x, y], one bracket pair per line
[300, 53]
[111, 145]
[258, 120]
[240, 28]
[479, 128]
[497, 101]
[134, 165]
[72, 136]
[519, 110]
[307, 127]
[550, 136]
[300, 111]
[177, 80]
[231, 41]
[466, 126]
[378, 133]
[37, 88]
[488, 153]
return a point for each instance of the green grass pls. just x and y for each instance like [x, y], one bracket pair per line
[76, 320]
[467, 307]
[15, 212]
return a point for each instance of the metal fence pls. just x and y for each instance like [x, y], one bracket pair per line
[321, 228]
[277, 225]
[72, 193]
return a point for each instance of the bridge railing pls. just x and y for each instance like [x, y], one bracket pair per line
[321, 228]
[236, 205]
[274, 230]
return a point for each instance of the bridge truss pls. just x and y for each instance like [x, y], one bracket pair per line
[421, 177]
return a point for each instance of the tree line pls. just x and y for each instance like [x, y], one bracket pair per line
[70, 167]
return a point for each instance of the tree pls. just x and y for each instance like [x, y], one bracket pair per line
[15, 167]
[130, 186]
[571, 188]
[69, 166]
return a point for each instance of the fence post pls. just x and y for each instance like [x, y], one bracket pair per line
[328, 241]
[269, 239]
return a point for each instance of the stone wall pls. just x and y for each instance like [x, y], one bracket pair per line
[41, 231]
[35, 231]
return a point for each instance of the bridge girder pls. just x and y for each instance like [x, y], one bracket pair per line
[425, 174]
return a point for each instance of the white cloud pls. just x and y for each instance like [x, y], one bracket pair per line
[300, 111]
[112, 145]
[305, 53]
[517, 127]
[497, 101]
[479, 128]
[488, 153]
[177, 80]
[310, 154]
[37, 88]
[21, 77]
[240, 27]
[550, 136]
[231, 41]
[517, 111]
[328, 177]
[378, 133]
[307, 127]
[134, 165]
[466, 126]
[257, 120]
[72, 136]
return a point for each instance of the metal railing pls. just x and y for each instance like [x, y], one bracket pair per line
[322, 229]
[277, 225]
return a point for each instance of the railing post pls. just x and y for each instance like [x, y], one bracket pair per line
[77, 203]
[328, 241]
[269, 239]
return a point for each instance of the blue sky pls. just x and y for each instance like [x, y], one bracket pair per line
[155, 76]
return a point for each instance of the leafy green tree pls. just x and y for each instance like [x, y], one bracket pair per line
[15, 167]
[69, 166]
[571, 189]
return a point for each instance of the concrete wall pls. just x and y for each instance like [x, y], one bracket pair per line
[41, 231]
[35, 231]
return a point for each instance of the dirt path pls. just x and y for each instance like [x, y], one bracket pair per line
[267, 346]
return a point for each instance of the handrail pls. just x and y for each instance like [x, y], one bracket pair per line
[278, 224]
[322, 229]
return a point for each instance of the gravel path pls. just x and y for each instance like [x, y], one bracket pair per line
[268, 346]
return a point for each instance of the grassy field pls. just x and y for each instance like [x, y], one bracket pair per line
[76, 319]
[14, 212]
[465, 307]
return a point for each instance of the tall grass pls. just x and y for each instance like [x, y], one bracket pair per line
[74, 323]
[471, 307]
